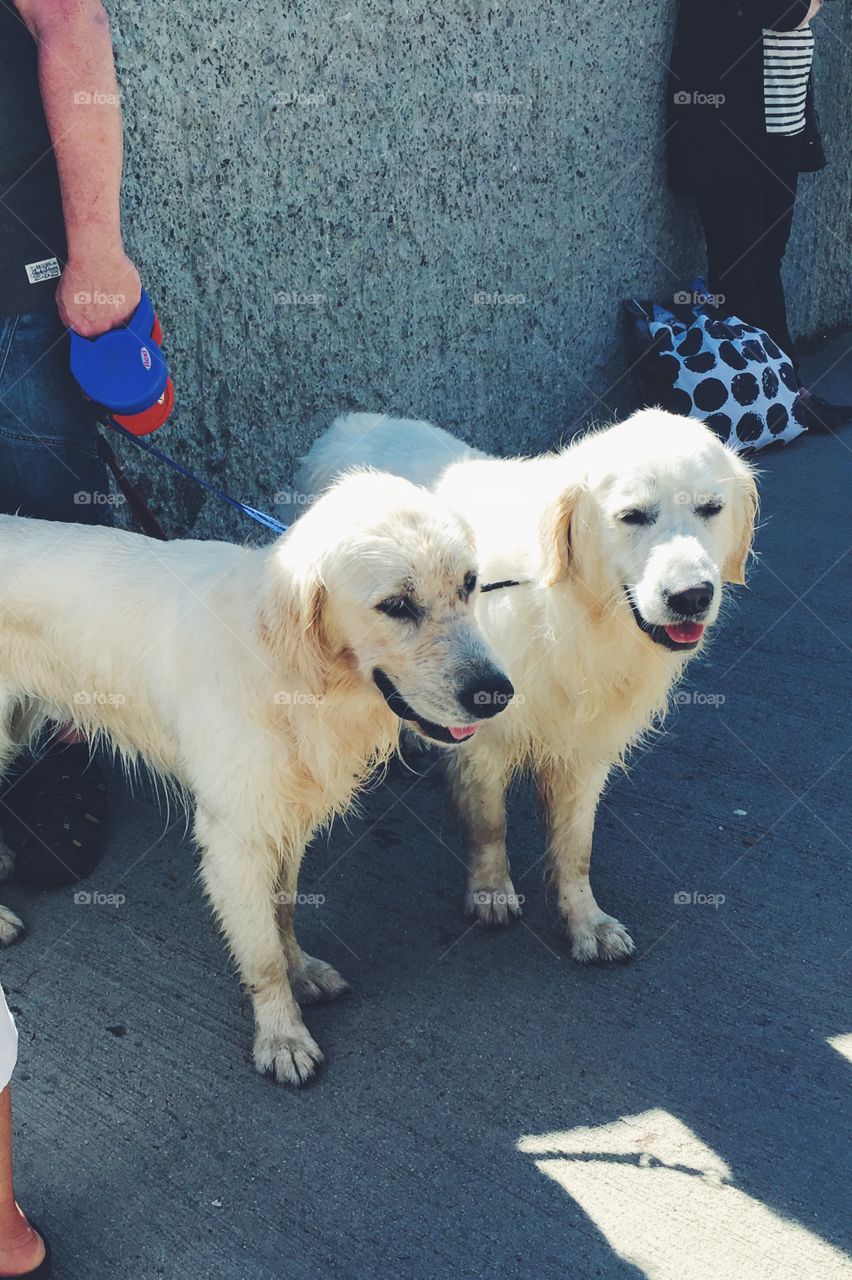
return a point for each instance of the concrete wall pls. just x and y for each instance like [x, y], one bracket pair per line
[326, 199]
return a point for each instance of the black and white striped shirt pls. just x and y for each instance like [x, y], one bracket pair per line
[787, 58]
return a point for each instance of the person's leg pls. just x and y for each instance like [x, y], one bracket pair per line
[50, 466]
[21, 1248]
[730, 205]
[781, 182]
[779, 198]
[50, 469]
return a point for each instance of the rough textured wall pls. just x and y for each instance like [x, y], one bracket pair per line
[426, 209]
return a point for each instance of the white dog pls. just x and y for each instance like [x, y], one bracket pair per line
[619, 545]
[268, 683]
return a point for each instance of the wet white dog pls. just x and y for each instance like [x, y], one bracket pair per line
[620, 544]
[268, 683]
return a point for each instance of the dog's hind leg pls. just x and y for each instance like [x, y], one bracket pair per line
[478, 787]
[570, 804]
[313, 981]
[240, 877]
[11, 927]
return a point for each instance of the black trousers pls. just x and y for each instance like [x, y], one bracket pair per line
[746, 203]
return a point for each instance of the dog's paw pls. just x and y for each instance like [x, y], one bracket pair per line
[7, 862]
[317, 982]
[289, 1059]
[493, 905]
[11, 927]
[600, 937]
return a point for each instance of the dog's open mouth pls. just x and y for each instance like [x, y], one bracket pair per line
[676, 636]
[398, 705]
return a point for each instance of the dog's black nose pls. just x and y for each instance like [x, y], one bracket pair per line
[692, 602]
[486, 694]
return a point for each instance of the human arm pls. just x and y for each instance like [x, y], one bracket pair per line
[100, 286]
[783, 15]
[814, 9]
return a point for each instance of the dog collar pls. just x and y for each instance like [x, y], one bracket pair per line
[507, 582]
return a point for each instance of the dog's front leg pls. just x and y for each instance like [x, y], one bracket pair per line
[478, 786]
[312, 981]
[240, 877]
[570, 803]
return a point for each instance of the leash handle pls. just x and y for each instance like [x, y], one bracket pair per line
[260, 517]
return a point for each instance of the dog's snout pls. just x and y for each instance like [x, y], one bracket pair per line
[486, 694]
[693, 602]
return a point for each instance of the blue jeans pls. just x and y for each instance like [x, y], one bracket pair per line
[50, 466]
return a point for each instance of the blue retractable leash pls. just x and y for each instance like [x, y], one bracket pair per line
[252, 512]
[125, 373]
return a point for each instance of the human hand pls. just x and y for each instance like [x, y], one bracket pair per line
[98, 291]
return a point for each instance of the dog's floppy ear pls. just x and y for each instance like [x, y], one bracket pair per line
[312, 621]
[293, 621]
[558, 536]
[733, 569]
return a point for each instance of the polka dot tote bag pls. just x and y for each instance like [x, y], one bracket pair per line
[732, 375]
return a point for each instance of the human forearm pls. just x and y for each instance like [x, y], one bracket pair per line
[100, 287]
[80, 97]
[814, 9]
[781, 15]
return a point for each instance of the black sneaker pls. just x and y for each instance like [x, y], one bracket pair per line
[821, 416]
[51, 815]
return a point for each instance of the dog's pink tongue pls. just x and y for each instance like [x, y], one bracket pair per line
[465, 731]
[685, 632]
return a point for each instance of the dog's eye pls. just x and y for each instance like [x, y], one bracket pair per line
[637, 516]
[402, 607]
[468, 586]
[708, 509]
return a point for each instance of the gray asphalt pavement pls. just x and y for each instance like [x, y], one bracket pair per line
[489, 1109]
